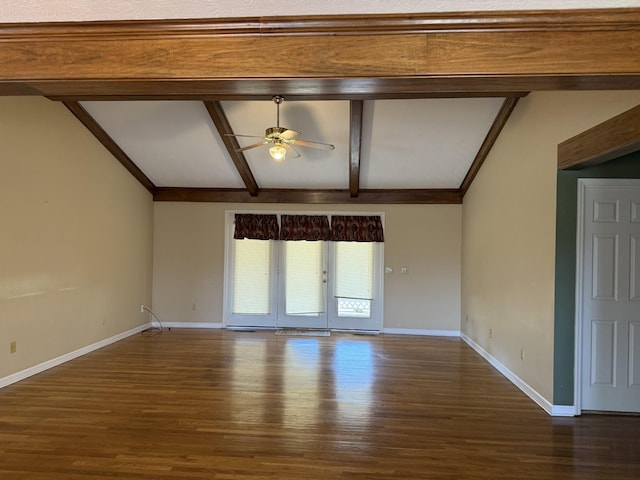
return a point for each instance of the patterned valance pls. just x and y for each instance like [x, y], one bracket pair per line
[344, 228]
[356, 228]
[305, 227]
[256, 226]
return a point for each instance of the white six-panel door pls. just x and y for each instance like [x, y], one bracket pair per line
[610, 295]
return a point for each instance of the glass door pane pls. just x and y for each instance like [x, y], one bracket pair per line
[253, 283]
[355, 286]
[303, 285]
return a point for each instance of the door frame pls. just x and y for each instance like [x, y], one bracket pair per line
[583, 184]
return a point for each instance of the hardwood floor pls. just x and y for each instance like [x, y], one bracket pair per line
[202, 404]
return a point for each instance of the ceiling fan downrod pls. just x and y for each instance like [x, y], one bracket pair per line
[277, 99]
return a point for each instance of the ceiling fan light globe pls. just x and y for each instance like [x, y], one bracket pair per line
[277, 152]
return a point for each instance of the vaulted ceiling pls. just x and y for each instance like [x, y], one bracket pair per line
[412, 103]
[418, 144]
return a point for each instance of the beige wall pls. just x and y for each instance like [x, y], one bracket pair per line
[76, 242]
[508, 239]
[189, 262]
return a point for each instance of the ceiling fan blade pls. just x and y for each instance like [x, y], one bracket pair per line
[289, 134]
[259, 144]
[290, 150]
[246, 136]
[307, 143]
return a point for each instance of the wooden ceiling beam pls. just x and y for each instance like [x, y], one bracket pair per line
[219, 118]
[293, 89]
[611, 139]
[492, 135]
[272, 195]
[105, 139]
[355, 145]
[342, 55]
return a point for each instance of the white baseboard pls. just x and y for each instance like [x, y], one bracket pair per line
[554, 410]
[563, 411]
[16, 377]
[433, 333]
[189, 325]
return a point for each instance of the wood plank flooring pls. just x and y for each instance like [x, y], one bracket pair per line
[203, 404]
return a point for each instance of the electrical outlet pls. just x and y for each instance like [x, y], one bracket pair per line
[141, 308]
[13, 347]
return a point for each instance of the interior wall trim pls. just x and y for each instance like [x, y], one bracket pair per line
[554, 410]
[351, 24]
[207, 325]
[429, 333]
[54, 362]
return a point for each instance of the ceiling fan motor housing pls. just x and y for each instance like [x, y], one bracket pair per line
[274, 132]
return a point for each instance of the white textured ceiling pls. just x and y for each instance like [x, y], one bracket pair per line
[86, 10]
[426, 143]
[174, 143]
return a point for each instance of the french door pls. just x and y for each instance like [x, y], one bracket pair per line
[302, 299]
[303, 284]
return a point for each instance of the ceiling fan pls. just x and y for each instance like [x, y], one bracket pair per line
[281, 139]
